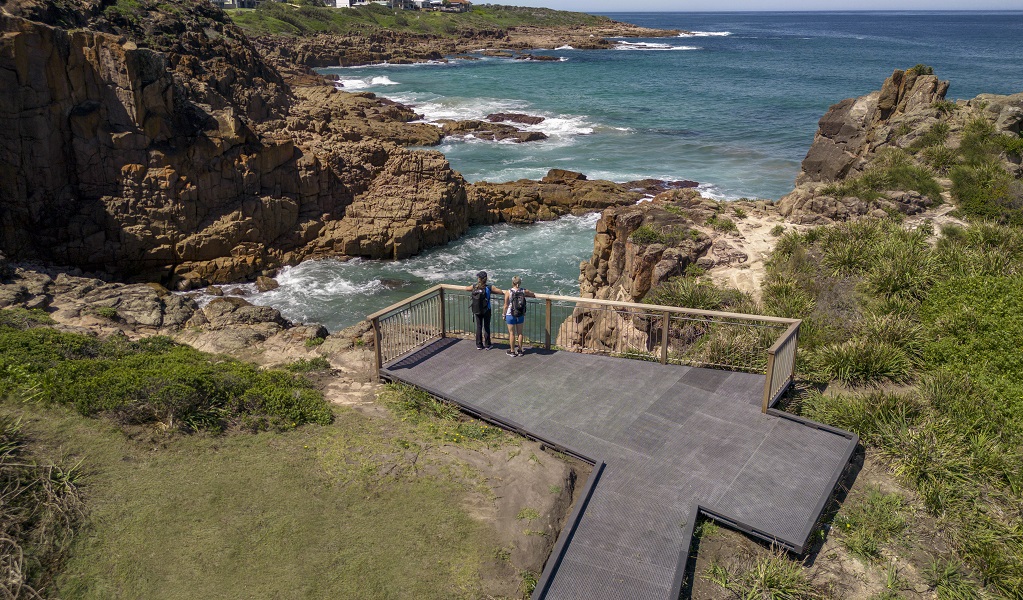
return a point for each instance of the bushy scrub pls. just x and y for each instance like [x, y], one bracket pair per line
[942, 314]
[892, 169]
[153, 380]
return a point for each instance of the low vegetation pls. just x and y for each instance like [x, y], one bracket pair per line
[646, 234]
[752, 575]
[884, 304]
[41, 509]
[150, 381]
[290, 19]
[360, 503]
[892, 169]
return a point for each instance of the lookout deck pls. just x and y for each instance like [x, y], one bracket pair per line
[668, 441]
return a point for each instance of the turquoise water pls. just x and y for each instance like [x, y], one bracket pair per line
[734, 107]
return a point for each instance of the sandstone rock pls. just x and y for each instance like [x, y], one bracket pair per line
[486, 130]
[266, 284]
[515, 118]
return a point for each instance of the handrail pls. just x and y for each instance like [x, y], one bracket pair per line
[649, 307]
[401, 304]
[406, 322]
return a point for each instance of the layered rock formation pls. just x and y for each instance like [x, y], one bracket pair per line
[196, 163]
[854, 132]
[639, 247]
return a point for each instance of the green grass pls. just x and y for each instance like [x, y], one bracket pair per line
[305, 513]
[41, 510]
[285, 19]
[764, 576]
[869, 525]
[883, 304]
[722, 223]
[439, 420]
[150, 381]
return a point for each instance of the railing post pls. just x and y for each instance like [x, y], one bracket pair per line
[769, 382]
[547, 325]
[378, 362]
[665, 322]
[443, 325]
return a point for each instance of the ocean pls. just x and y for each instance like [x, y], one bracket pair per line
[734, 106]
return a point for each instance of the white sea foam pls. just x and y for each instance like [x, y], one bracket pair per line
[651, 46]
[565, 47]
[689, 34]
[361, 83]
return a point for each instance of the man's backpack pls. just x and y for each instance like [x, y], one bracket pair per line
[479, 304]
[518, 303]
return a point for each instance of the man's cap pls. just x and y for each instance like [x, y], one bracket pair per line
[481, 275]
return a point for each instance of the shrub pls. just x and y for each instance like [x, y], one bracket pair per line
[669, 236]
[868, 415]
[860, 362]
[690, 292]
[985, 190]
[891, 170]
[739, 213]
[155, 380]
[941, 158]
[920, 69]
[303, 365]
[722, 223]
[777, 230]
[936, 135]
[106, 312]
[945, 107]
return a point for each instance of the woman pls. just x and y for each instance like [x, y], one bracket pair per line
[515, 313]
[481, 308]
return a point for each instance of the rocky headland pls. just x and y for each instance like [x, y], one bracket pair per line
[170, 150]
[638, 248]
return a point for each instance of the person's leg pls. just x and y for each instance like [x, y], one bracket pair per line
[518, 332]
[486, 329]
[511, 338]
[479, 330]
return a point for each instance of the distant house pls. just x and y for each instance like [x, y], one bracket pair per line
[458, 6]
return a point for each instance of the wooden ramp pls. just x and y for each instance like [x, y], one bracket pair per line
[669, 442]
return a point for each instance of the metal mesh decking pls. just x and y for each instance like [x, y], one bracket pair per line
[673, 438]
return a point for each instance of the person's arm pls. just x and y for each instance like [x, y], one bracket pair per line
[504, 309]
[496, 290]
[468, 288]
[529, 294]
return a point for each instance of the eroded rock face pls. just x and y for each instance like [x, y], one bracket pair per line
[855, 131]
[112, 165]
[854, 128]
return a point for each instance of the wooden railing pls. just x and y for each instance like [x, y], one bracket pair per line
[665, 334]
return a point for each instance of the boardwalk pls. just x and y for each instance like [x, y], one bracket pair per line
[674, 440]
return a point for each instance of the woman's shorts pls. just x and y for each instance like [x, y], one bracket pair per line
[514, 320]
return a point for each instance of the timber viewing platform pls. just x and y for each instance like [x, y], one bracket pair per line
[672, 406]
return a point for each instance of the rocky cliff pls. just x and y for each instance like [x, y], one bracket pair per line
[908, 115]
[192, 161]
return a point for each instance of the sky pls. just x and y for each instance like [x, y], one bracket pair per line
[753, 5]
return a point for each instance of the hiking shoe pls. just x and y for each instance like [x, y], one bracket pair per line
[479, 347]
[488, 347]
[510, 352]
